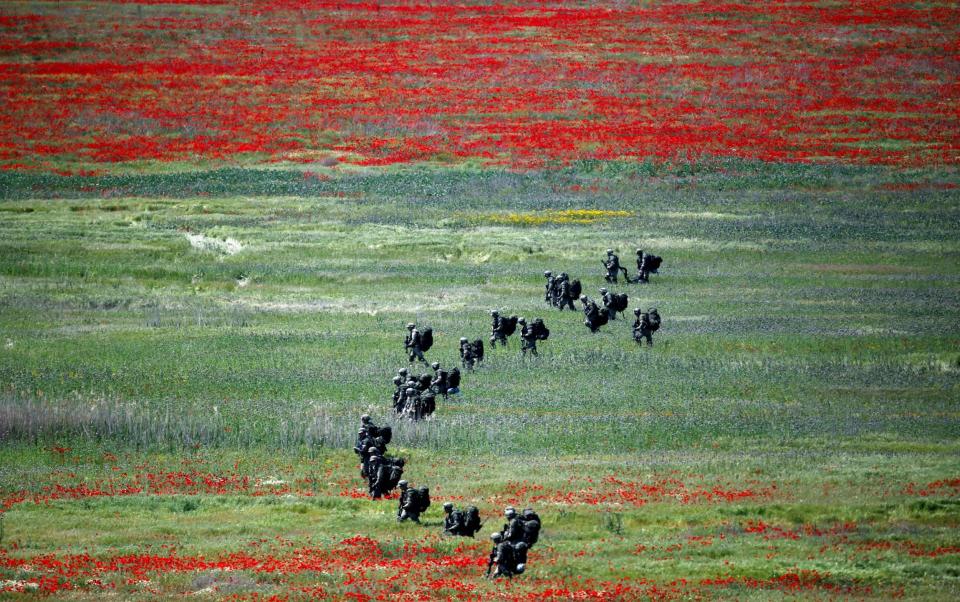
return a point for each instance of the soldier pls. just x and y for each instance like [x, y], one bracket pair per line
[593, 318]
[513, 529]
[439, 383]
[412, 344]
[642, 328]
[609, 303]
[643, 269]
[612, 264]
[413, 502]
[467, 357]
[549, 287]
[496, 329]
[374, 464]
[411, 401]
[565, 296]
[398, 393]
[452, 520]
[528, 338]
[503, 556]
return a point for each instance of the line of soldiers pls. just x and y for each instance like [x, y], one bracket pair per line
[416, 397]
[560, 291]
[413, 502]
[382, 472]
[646, 264]
[464, 523]
[511, 544]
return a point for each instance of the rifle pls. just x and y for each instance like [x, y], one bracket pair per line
[625, 274]
[493, 556]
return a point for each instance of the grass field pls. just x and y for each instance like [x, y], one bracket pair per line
[216, 218]
[177, 416]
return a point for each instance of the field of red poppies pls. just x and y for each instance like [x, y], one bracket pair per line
[84, 85]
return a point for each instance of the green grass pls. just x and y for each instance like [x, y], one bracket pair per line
[810, 339]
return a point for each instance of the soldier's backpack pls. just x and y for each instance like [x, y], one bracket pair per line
[428, 403]
[386, 433]
[426, 339]
[540, 330]
[531, 532]
[575, 289]
[422, 500]
[396, 473]
[620, 302]
[478, 349]
[603, 316]
[654, 263]
[509, 325]
[472, 522]
[453, 380]
[654, 319]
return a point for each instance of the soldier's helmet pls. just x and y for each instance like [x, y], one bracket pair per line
[639, 251]
[603, 290]
[435, 365]
[521, 545]
[494, 312]
[496, 536]
[527, 512]
[402, 371]
[609, 251]
[583, 297]
[402, 484]
[397, 380]
[636, 312]
[362, 431]
[411, 326]
[652, 310]
[425, 488]
[410, 391]
[365, 418]
[447, 507]
[510, 512]
[547, 273]
[520, 568]
[563, 275]
[463, 339]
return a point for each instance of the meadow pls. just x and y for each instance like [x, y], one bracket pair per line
[217, 217]
[185, 359]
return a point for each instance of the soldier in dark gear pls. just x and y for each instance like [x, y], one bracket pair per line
[374, 463]
[609, 303]
[452, 520]
[513, 529]
[412, 502]
[467, 354]
[528, 338]
[439, 382]
[503, 556]
[549, 287]
[397, 393]
[593, 318]
[412, 344]
[643, 268]
[642, 328]
[565, 296]
[496, 329]
[612, 264]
